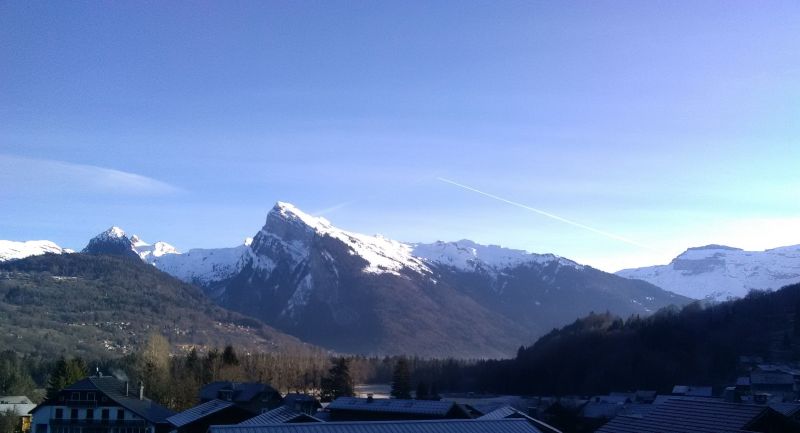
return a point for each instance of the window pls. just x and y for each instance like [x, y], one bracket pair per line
[89, 413]
[90, 396]
[75, 396]
[120, 413]
[104, 414]
[59, 413]
[73, 413]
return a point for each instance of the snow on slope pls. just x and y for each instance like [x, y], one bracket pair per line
[381, 254]
[718, 272]
[286, 222]
[204, 266]
[467, 255]
[11, 250]
[151, 253]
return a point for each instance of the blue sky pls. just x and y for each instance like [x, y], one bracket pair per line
[670, 124]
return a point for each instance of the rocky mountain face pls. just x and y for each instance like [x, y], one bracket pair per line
[718, 272]
[369, 294]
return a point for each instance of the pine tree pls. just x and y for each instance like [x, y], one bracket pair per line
[65, 373]
[401, 380]
[422, 391]
[229, 356]
[338, 383]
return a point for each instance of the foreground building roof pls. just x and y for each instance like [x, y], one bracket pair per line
[679, 415]
[394, 405]
[198, 412]
[283, 414]
[434, 426]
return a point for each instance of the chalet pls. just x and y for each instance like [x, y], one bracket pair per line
[19, 405]
[781, 383]
[100, 404]
[200, 417]
[253, 397]
[281, 415]
[386, 409]
[703, 415]
[417, 426]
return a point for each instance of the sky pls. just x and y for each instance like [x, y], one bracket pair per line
[615, 133]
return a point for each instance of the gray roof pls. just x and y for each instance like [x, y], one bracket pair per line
[695, 391]
[508, 412]
[679, 415]
[115, 390]
[788, 409]
[198, 412]
[280, 415]
[393, 405]
[241, 392]
[436, 426]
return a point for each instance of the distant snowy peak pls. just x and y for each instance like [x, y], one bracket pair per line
[150, 253]
[114, 242]
[12, 250]
[467, 255]
[720, 272]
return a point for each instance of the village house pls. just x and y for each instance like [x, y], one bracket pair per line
[100, 404]
[19, 405]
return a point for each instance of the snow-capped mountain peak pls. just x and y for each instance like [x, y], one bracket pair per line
[294, 230]
[113, 232]
[720, 272]
[11, 250]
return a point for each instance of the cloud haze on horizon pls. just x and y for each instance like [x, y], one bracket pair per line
[672, 125]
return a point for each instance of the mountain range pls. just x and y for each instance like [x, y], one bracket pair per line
[718, 272]
[368, 294]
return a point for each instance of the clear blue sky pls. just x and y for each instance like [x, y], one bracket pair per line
[671, 124]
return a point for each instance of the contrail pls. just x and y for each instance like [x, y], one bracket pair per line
[547, 214]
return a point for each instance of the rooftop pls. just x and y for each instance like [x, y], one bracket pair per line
[679, 415]
[280, 415]
[198, 412]
[437, 426]
[418, 407]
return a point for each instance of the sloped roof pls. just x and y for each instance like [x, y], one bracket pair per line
[115, 390]
[788, 409]
[15, 399]
[198, 412]
[393, 405]
[279, 415]
[242, 392]
[436, 426]
[696, 391]
[678, 415]
[508, 412]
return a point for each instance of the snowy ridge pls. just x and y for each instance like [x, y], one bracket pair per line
[11, 250]
[467, 255]
[717, 272]
[381, 254]
[204, 266]
[151, 253]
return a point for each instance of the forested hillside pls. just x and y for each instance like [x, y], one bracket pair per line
[600, 353]
[95, 306]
